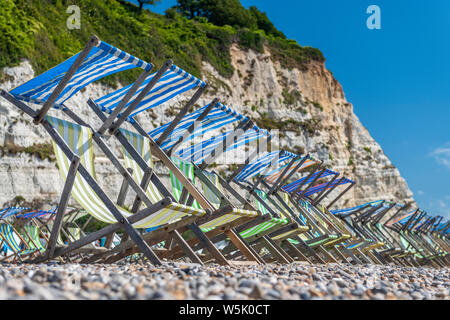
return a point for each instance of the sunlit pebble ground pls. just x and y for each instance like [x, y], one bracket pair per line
[182, 281]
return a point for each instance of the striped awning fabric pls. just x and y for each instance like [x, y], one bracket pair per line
[173, 82]
[218, 117]
[102, 60]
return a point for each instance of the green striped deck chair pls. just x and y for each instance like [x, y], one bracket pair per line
[188, 170]
[216, 202]
[175, 211]
[31, 235]
[285, 215]
[408, 247]
[273, 222]
[79, 140]
[8, 235]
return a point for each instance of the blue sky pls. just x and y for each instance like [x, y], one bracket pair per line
[398, 78]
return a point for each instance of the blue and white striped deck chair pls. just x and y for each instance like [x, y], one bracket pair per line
[79, 140]
[103, 60]
[218, 117]
[260, 165]
[199, 152]
[174, 81]
[11, 211]
[11, 238]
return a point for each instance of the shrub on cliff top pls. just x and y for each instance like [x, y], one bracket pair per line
[37, 31]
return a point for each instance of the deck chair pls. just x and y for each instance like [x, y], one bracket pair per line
[13, 240]
[261, 167]
[226, 217]
[30, 234]
[79, 140]
[51, 89]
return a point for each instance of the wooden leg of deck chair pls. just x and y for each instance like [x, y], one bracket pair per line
[56, 229]
[277, 245]
[356, 260]
[297, 252]
[237, 241]
[112, 228]
[158, 234]
[363, 256]
[274, 251]
[308, 249]
[208, 244]
[340, 255]
[327, 255]
[189, 252]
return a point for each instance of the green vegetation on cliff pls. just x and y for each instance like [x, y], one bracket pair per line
[37, 31]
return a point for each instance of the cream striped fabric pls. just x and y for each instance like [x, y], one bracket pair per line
[79, 140]
[215, 201]
[75, 233]
[291, 233]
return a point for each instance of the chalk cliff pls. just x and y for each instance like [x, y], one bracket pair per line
[308, 105]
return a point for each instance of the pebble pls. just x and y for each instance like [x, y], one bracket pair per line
[173, 280]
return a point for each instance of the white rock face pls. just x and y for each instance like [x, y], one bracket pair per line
[321, 123]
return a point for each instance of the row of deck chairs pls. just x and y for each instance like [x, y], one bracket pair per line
[268, 210]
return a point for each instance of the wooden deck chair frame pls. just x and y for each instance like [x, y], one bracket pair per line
[316, 226]
[187, 184]
[226, 206]
[299, 252]
[123, 223]
[18, 253]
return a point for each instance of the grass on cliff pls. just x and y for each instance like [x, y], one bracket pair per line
[37, 31]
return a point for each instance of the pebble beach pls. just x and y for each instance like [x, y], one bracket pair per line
[298, 281]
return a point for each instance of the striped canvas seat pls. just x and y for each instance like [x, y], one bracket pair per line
[174, 82]
[215, 201]
[273, 222]
[218, 116]
[188, 170]
[79, 139]
[9, 236]
[103, 60]
[75, 233]
[31, 236]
